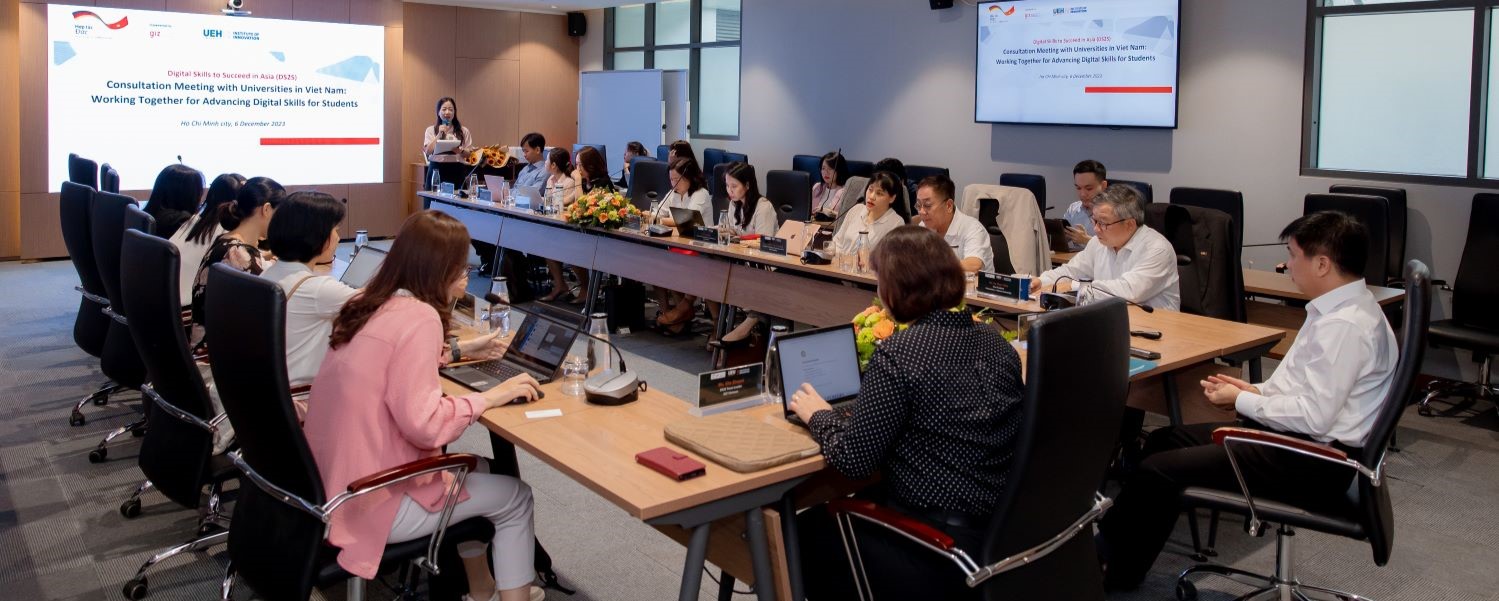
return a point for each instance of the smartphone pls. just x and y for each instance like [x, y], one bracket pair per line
[1144, 354]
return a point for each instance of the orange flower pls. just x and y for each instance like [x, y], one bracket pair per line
[884, 329]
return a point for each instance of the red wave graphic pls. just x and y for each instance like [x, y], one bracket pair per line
[120, 24]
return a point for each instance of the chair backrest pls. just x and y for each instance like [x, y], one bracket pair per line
[1211, 280]
[916, 173]
[1062, 449]
[712, 157]
[735, 157]
[1147, 193]
[138, 219]
[83, 171]
[989, 213]
[109, 179]
[1373, 212]
[809, 164]
[716, 190]
[791, 192]
[107, 226]
[1475, 290]
[662, 150]
[604, 152]
[859, 168]
[1377, 513]
[1395, 251]
[273, 545]
[75, 211]
[1001, 247]
[1030, 181]
[647, 176]
[174, 455]
[1228, 201]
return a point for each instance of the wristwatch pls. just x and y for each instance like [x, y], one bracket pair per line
[453, 348]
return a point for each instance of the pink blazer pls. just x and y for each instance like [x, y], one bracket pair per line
[376, 404]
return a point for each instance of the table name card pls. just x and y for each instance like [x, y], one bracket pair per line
[773, 245]
[485, 195]
[632, 223]
[1009, 286]
[705, 234]
[446, 188]
[729, 389]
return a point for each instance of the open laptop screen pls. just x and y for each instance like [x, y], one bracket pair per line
[542, 342]
[363, 266]
[825, 358]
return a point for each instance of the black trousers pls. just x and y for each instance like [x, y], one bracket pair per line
[1177, 457]
[897, 568]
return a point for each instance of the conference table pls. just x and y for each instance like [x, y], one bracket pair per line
[596, 445]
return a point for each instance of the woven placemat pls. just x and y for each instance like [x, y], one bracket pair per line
[740, 442]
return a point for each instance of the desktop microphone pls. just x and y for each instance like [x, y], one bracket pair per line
[1064, 300]
[1145, 308]
[607, 387]
[463, 193]
[179, 159]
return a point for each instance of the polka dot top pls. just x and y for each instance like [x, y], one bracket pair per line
[937, 413]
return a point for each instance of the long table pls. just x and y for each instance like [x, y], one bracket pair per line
[596, 445]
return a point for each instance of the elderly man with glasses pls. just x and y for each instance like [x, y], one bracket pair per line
[936, 210]
[1126, 259]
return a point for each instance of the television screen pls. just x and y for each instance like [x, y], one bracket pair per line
[298, 101]
[1105, 62]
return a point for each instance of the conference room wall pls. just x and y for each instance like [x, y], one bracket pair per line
[10, 128]
[893, 78]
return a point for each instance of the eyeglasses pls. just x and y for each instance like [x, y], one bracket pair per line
[1104, 226]
[929, 206]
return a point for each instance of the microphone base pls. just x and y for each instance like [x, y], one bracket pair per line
[612, 388]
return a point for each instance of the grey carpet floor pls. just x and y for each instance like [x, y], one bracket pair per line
[61, 536]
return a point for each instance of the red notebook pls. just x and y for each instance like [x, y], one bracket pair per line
[671, 463]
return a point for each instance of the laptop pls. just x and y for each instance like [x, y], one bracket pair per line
[826, 359]
[494, 182]
[362, 266]
[688, 220]
[796, 234]
[538, 348]
[526, 196]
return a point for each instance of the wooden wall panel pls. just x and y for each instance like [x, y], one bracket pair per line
[549, 63]
[134, 4]
[200, 6]
[488, 91]
[392, 76]
[326, 11]
[43, 239]
[10, 128]
[33, 76]
[375, 12]
[428, 71]
[487, 34]
[376, 207]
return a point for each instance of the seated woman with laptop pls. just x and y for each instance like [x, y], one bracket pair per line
[377, 403]
[936, 413]
[745, 219]
[687, 192]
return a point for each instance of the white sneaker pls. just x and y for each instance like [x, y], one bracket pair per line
[537, 594]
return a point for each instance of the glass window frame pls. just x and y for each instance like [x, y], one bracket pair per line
[1483, 23]
[695, 46]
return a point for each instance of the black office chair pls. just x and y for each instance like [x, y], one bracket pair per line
[716, 191]
[712, 157]
[662, 151]
[1396, 219]
[1147, 193]
[91, 326]
[1001, 247]
[120, 362]
[1208, 253]
[647, 177]
[138, 219]
[281, 515]
[1364, 513]
[176, 454]
[809, 164]
[1228, 201]
[859, 168]
[1474, 325]
[1040, 541]
[792, 194]
[109, 179]
[732, 157]
[1374, 213]
[83, 171]
[989, 214]
[603, 151]
[916, 173]
[1035, 183]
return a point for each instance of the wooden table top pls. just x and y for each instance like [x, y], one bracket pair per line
[1258, 282]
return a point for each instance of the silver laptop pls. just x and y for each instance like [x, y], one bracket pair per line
[538, 348]
[527, 196]
[825, 358]
[362, 267]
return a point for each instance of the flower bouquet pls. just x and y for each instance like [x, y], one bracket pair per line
[871, 327]
[600, 208]
[492, 156]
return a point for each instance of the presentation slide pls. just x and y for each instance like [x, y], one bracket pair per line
[1109, 63]
[296, 101]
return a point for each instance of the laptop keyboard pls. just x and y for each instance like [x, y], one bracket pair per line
[499, 369]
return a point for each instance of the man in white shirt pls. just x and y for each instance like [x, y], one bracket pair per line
[937, 212]
[535, 171]
[1328, 389]
[1089, 178]
[1127, 259]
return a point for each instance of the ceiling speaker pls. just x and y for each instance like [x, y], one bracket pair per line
[577, 24]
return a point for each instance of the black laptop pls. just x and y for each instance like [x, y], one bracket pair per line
[688, 220]
[538, 348]
[825, 358]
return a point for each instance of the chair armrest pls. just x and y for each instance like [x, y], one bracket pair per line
[91, 296]
[109, 311]
[415, 468]
[177, 412]
[301, 390]
[1226, 437]
[912, 528]
[276, 492]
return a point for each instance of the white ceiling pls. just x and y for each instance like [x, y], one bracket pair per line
[540, 6]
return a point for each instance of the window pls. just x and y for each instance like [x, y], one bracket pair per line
[1397, 91]
[700, 36]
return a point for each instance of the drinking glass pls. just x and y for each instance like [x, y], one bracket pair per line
[574, 371]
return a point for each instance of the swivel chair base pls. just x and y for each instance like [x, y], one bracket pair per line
[136, 428]
[1281, 586]
[213, 529]
[1443, 388]
[100, 397]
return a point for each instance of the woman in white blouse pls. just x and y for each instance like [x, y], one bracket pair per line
[827, 195]
[447, 127]
[687, 192]
[740, 184]
[876, 215]
[304, 234]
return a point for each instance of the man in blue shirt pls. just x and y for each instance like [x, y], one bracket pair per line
[535, 171]
[1089, 178]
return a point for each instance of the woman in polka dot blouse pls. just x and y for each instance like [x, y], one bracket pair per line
[936, 416]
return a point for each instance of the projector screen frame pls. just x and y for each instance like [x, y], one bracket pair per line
[1176, 93]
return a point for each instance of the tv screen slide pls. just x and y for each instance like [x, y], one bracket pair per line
[1104, 62]
[296, 101]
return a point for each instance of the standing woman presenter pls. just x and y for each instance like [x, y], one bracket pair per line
[447, 127]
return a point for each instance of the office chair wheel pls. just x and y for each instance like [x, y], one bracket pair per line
[1185, 591]
[101, 400]
[98, 455]
[76, 418]
[138, 432]
[135, 590]
[131, 508]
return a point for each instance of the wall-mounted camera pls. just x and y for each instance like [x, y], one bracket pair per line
[236, 8]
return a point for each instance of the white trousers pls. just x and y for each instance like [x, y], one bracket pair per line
[504, 501]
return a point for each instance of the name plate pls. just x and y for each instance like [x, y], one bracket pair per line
[705, 234]
[632, 223]
[1009, 286]
[729, 389]
[446, 188]
[773, 245]
[485, 195]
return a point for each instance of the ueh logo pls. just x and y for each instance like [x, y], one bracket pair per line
[1004, 11]
[87, 14]
[213, 33]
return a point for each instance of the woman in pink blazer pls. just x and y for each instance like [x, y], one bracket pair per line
[377, 403]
